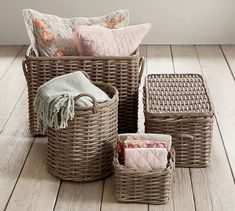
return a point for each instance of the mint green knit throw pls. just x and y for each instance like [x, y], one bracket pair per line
[54, 102]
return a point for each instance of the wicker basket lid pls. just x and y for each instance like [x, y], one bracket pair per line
[177, 94]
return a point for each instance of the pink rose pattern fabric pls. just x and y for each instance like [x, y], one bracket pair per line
[142, 136]
[144, 144]
[101, 41]
[139, 144]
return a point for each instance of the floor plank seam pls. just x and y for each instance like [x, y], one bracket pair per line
[202, 72]
[57, 195]
[18, 53]
[221, 136]
[227, 62]
[172, 198]
[19, 175]
[1, 129]
[102, 195]
[217, 122]
[172, 59]
[191, 181]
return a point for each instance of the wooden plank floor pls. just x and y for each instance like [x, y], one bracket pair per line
[25, 183]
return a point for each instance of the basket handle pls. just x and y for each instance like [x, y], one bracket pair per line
[141, 67]
[171, 119]
[24, 69]
[86, 74]
[92, 98]
[171, 157]
[185, 136]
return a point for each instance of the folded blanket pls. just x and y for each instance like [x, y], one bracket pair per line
[146, 136]
[54, 102]
[132, 138]
[145, 144]
[139, 144]
[146, 158]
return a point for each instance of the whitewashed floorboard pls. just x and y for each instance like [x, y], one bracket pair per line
[222, 88]
[15, 144]
[36, 188]
[159, 60]
[8, 54]
[207, 180]
[80, 196]
[12, 85]
[229, 53]
[211, 188]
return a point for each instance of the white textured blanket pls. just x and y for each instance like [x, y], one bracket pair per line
[54, 102]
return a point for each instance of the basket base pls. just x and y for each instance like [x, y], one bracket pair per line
[147, 201]
[79, 178]
[191, 165]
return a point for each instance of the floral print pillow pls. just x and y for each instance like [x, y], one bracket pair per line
[51, 35]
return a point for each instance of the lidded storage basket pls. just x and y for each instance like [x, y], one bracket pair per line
[124, 73]
[179, 105]
[84, 150]
[152, 187]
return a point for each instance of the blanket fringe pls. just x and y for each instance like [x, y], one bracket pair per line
[54, 113]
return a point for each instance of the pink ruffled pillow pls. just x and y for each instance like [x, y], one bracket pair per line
[101, 41]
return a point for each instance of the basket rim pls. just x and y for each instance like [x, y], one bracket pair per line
[104, 104]
[179, 114]
[28, 56]
[170, 165]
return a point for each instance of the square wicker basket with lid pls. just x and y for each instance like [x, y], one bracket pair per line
[180, 105]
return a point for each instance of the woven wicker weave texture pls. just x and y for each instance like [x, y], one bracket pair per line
[180, 105]
[153, 187]
[84, 150]
[122, 72]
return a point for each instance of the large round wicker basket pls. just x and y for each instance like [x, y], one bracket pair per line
[84, 150]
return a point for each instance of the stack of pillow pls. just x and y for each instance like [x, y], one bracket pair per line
[145, 152]
[108, 35]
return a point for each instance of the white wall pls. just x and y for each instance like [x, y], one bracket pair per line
[173, 21]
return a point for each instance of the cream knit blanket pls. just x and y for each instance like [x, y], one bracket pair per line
[54, 102]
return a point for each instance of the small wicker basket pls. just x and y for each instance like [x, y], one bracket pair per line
[84, 150]
[180, 105]
[152, 187]
[124, 73]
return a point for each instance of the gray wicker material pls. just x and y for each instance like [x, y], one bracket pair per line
[179, 105]
[122, 72]
[84, 150]
[152, 187]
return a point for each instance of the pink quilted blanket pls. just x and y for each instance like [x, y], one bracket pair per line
[146, 158]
